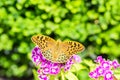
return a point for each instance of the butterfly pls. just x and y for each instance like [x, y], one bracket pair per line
[57, 51]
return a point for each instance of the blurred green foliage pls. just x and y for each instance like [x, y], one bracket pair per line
[95, 23]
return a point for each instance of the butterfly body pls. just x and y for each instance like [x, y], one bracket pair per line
[57, 51]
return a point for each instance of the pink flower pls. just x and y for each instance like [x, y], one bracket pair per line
[93, 74]
[115, 64]
[108, 75]
[46, 70]
[99, 59]
[54, 70]
[47, 67]
[100, 70]
[105, 64]
[104, 69]
[67, 67]
[77, 58]
[43, 77]
[45, 64]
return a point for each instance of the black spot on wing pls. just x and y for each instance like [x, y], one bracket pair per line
[41, 37]
[74, 44]
[74, 47]
[37, 37]
[78, 45]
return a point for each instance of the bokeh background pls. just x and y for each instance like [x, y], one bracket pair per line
[94, 23]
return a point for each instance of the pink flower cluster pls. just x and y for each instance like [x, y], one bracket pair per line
[104, 68]
[49, 68]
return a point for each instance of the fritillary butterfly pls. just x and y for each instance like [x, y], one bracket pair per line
[57, 51]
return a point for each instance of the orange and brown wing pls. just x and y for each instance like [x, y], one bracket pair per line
[67, 49]
[46, 44]
[73, 47]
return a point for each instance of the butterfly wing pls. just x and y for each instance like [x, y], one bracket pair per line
[46, 45]
[67, 49]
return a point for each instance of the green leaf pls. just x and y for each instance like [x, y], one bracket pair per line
[71, 76]
[35, 75]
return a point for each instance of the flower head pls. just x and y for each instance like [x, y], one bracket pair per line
[76, 58]
[99, 59]
[115, 64]
[54, 70]
[49, 68]
[100, 70]
[46, 70]
[43, 77]
[93, 74]
[105, 65]
[104, 68]
[108, 75]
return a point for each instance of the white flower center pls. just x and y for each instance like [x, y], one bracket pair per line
[38, 51]
[108, 75]
[100, 71]
[115, 64]
[94, 74]
[43, 76]
[46, 69]
[53, 70]
[98, 60]
[37, 60]
[105, 64]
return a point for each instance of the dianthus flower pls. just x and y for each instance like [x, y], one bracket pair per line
[104, 69]
[49, 68]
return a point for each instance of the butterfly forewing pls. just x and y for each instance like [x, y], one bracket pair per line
[73, 47]
[67, 49]
[46, 44]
